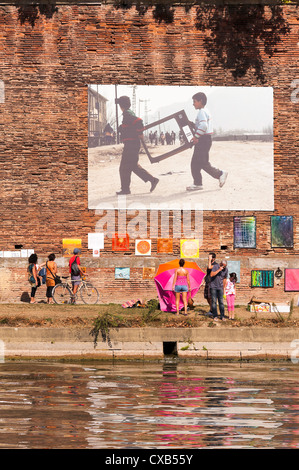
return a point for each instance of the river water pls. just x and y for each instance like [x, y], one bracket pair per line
[151, 406]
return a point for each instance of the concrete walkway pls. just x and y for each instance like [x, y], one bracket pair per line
[150, 343]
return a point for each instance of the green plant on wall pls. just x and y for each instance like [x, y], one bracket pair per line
[152, 312]
[102, 324]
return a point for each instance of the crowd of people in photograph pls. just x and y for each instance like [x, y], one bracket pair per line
[167, 138]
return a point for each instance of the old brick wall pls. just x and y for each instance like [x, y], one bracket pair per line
[46, 68]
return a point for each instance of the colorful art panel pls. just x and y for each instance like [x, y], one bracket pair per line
[120, 242]
[244, 232]
[122, 273]
[148, 273]
[262, 278]
[143, 247]
[189, 248]
[164, 245]
[291, 280]
[281, 231]
[69, 244]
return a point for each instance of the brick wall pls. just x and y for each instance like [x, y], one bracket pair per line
[46, 69]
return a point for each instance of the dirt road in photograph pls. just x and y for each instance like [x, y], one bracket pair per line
[249, 186]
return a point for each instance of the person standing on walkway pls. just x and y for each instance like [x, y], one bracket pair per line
[218, 275]
[181, 285]
[230, 293]
[75, 271]
[33, 277]
[203, 130]
[207, 288]
[131, 131]
[51, 272]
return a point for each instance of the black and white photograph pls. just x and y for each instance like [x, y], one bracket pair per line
[180, 146]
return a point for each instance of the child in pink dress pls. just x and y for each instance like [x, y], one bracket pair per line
[230, 292]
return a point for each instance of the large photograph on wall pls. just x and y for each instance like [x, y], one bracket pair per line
[176, 147]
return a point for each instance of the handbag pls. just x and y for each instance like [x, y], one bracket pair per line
[56, 278]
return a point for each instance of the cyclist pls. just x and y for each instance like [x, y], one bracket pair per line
[75, 271]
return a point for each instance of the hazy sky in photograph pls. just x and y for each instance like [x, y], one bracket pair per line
[247, 108]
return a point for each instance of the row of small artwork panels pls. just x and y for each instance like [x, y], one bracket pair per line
[281, 231]
[244, 237]
[124, 273]
[143, 247]
[259, 277]
[150, 272]
[16, 253]
[265, 279]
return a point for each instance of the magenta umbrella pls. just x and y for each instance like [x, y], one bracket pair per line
[164, 282]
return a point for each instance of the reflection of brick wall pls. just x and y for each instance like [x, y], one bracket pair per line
[43, 150]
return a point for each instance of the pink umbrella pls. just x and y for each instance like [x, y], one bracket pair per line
[164, 282]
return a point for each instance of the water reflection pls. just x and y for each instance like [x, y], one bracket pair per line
[148, 406]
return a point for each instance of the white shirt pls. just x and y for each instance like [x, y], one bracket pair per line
[230, 288]
[203, 123]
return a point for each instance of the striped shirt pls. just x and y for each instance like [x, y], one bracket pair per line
[203, 123]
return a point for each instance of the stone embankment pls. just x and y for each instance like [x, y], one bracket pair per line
[65, 333]
[150, 343]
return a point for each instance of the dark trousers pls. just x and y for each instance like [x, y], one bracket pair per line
[217, 294]
[49, 292]
[33, 288]
[200, 160]
[129, 164]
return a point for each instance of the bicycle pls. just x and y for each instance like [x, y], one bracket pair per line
[63, 293]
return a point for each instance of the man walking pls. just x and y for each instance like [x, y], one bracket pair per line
[203, 141]
[218, 275]
[131, 131]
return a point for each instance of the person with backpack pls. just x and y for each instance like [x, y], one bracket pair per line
[75, 270]
[131, 131]
[51, 274]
